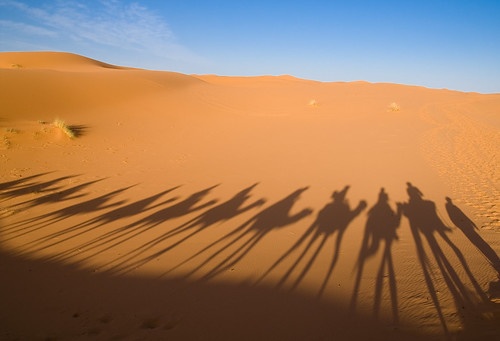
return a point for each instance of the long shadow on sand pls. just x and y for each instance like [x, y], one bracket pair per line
[31, 225]
[249, 234]
[335, 217]
[120, 235]
[381, 226]
[56, 191]
[101, 228]
[25, 186]
[11, 188]
[94, 205]
[469, 229]
[45, 192]
[426, 226]
[215, 215]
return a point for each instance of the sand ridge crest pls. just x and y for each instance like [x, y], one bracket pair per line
[52, 60]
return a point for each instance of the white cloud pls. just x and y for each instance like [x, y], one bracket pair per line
[120, 25]
[26, 28]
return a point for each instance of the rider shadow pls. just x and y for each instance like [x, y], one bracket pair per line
[333, 218]
[253, 230]
[381, 226]
[426, 226]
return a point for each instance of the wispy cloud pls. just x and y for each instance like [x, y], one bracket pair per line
[26, 29]
[121, 25]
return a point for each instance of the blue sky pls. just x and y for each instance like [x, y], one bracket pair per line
[433, 43]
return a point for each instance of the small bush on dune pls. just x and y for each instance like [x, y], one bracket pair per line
[58, 123]
[5, 143]
[313, 103]
[394, 107]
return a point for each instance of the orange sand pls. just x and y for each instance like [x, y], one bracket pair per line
[243, 208]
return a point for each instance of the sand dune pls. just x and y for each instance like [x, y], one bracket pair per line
[51, 61]
[201, 206]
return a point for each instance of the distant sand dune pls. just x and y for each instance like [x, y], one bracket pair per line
[51, 61]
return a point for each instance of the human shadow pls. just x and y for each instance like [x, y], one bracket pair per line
[469, 228]
[381, 226]
[217, 214]
[254, 230]
[426, 225]
[333, 218]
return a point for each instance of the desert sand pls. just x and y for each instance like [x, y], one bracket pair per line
[202, 207]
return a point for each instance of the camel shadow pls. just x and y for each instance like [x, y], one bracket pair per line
[333, 218]
[120, 235]
[88, 206]
[253, 230]
[217, 214]
[100, 203]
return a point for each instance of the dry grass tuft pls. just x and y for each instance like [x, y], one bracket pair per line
[58, 123]
[5, 143]
[313, 103]
[393, 107]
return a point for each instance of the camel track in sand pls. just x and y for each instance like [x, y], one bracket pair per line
[463, 151]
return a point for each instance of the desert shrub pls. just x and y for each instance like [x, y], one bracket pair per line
[5, 143]
[58, 123]
[313, 103]
[393, 107]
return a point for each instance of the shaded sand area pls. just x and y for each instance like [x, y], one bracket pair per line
[243, 208]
